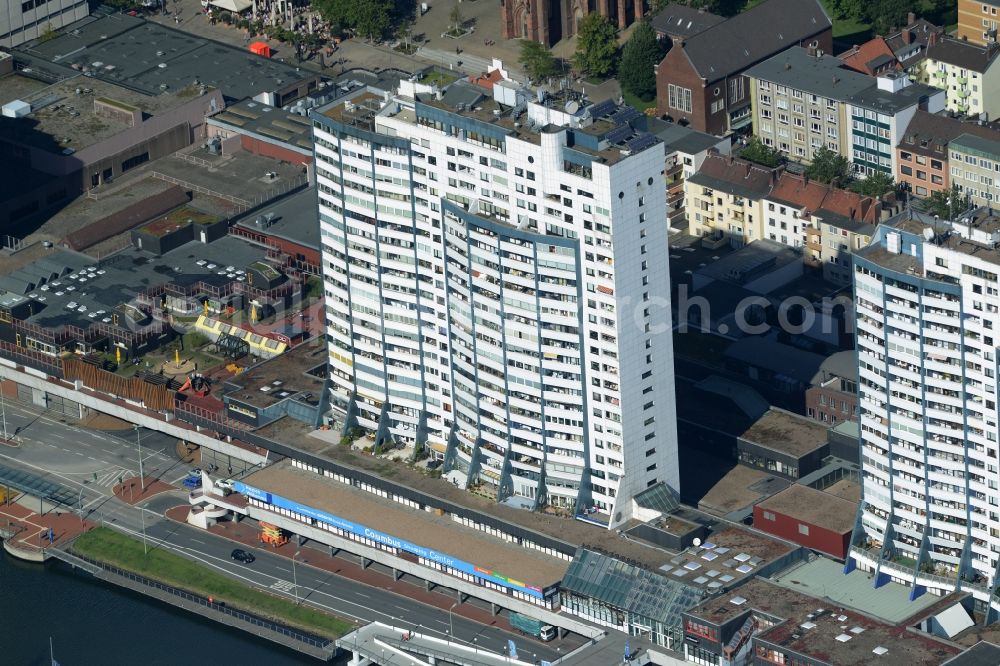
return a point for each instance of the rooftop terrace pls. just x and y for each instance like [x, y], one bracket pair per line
[89, 292]
[300, 372]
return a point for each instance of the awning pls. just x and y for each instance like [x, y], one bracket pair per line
[235, 6]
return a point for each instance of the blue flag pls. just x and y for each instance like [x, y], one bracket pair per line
[511, 649]
[627, 652]
[546, 663]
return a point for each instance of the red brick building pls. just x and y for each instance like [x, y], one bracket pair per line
[832, 396]
[808, 517]
[549, 21]
[700, 81]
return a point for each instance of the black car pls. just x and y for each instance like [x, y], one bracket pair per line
[243, 556]
[434, 464]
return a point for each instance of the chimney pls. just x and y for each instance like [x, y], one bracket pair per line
[911, 18]
[811, 50]
[851, 211]
[907, 36]
[932, 39]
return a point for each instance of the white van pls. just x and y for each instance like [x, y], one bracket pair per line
[547, 632]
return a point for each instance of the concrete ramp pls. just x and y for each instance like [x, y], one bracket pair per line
[378, 643]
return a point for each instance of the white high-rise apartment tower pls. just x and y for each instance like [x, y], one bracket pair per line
[927, 296]
[497, 288]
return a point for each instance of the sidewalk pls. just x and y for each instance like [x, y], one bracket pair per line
[246, 533]
[30, 530]
[130, 490]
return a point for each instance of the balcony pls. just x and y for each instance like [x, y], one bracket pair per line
[962, 93]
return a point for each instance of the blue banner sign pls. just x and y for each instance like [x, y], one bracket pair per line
[385, 539]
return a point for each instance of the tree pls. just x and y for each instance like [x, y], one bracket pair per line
[370, 18]
[456, 18]
[948, 204]
[639, 58]
[875, 185]
[537, 61]
[596, 46]
[756, 151]
[828, 166]
[887, 14]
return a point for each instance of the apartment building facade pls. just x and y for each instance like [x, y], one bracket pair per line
[974, 167]
[926, 297]
[828, 223]
[487, 267]
[723, 199]
[968, 73]
[805, 100]
[977, 20]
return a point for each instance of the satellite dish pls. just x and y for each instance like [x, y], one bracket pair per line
[697, 541]
[572, 106]
[928, 234]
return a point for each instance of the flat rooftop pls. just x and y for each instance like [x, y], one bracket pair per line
[750, 262]
[783, 431]
[420, 527]
[249, 116]
[814, 507]
[297, 435]
[982, 220]
[980, 654]
[740, 488]
[295, 218]
[832, 635]
[824, 578]
[64, 115]
[151, 58]
[724, 559]
[298, 372]
[94, 289]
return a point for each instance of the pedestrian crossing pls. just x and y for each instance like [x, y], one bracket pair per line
[109, 478]
[283, 586]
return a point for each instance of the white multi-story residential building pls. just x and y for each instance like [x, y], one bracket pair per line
[24, 20]
[927, 297]
[497, 289]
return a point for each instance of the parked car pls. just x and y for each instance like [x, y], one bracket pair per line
[434, 464]
[195, 472]
[192, 482]
[243, 556]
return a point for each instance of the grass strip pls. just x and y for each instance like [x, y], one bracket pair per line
[105, 545]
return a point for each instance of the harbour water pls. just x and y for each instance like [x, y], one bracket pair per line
[96, 624]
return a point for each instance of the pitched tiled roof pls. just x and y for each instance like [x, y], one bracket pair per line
[735, 176]
[799, 191]
[851, 205]
[747, 38]
[918, 33]
[684, 21]
[961, 53]
[861, 57]
[930, 133]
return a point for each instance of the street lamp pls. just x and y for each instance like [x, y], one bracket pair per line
[142, 476]
[3, 414]
[295, 580]
[451, 620]
[79, 500]
[142, 515]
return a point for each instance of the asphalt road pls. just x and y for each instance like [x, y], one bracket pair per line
[69, 456]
